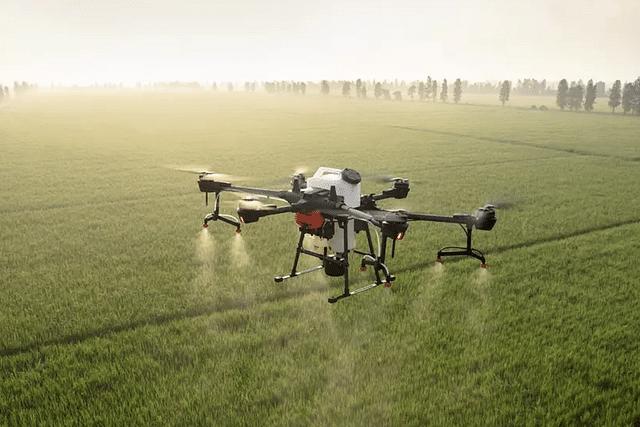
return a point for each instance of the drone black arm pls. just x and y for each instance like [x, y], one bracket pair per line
[212, 186]
[399, 190]
[484, 218]
[455, 219]
[252, 215]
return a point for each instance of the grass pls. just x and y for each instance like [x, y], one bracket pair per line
[120, 310]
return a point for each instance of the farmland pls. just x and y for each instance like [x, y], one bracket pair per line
[119, 310]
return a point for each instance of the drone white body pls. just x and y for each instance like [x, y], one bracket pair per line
[324, 179]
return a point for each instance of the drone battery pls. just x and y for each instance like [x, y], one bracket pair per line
[332, 268]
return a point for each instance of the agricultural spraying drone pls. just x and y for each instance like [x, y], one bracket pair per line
[330, 209]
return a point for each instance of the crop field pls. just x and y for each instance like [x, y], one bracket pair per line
[119, 309]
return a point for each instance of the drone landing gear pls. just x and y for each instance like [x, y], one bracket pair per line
[468, 251]
[338, 265]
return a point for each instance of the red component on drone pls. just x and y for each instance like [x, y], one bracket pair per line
[312, 220]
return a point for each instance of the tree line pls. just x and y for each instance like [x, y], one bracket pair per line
[423, 90]
[18, 88]
[576, 97]
[628, 97]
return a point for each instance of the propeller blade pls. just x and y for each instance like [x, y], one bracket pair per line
[301, 170]
[254, 204]
[210, 176]
[381, 177]
[387, 178]
[192, 169]
[207, 174]
[504, 203]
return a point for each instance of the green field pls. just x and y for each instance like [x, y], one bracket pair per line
[119, 310]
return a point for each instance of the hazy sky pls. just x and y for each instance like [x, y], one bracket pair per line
[97, 41]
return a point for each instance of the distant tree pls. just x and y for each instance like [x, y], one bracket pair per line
[387, 94]
[358, 87]
[346, 89]
[230, 87]
[529, 87]
[363, 91]
[457, 91]
[397, 95]
[412, 90]
[427, 87]
[628, 97]
[1, 93]
[444, 91]
[576, 94]
[505, 90]
[377, 90]
[422, 91]
[615, 95]
[434, 89]
[324, 87]
[303, 88]
[6, 91]
[247, 86]
[562, 94]
[636, 101]
[590, 97]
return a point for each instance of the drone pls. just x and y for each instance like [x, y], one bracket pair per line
[330, 209]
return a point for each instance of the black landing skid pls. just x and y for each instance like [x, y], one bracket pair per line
[468, 251]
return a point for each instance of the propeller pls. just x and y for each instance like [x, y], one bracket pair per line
[504, 203]
[386, 178]
[253, 203]
[207, 174]
[381, 177]
[300, 170]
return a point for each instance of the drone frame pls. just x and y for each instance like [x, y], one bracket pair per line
[392, 224]
[338, 264]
